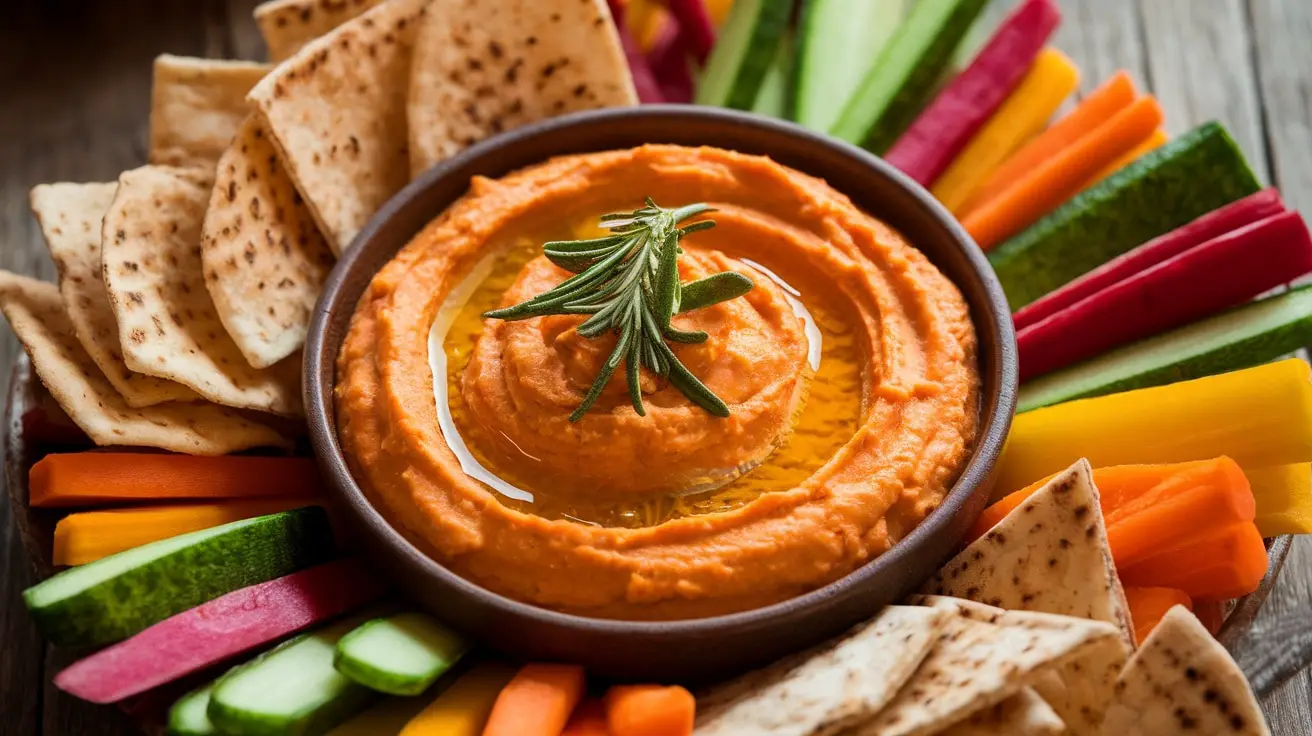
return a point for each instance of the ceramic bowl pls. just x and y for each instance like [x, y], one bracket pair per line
[694, 649]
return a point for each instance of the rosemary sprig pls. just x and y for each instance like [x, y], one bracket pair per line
[628, 282]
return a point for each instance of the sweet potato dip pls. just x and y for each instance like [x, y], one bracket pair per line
[847, 372]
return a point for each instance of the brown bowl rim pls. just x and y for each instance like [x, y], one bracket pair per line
[319, 378]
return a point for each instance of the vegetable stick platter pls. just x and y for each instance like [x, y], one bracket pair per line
[35, 425]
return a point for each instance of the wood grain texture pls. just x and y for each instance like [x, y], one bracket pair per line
[75, 80]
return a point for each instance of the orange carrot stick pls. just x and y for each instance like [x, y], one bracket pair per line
[90, 535]
[1196, 500]
[1148, 605]
[1120, 485]
[1062, 176]
[90, 478]
[537, 701]
[1101, 104]
[1154, 142]
[1224, 564]
[589, 719]
[650, 710]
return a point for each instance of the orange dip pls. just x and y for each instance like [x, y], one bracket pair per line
[816, 471]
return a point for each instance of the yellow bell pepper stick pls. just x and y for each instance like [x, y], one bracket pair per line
[1284, 498]
[1259, 416]
[1025, 112]
[463, 708]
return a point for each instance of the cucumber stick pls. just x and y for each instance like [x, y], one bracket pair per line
[188, 716]
[741, 60]
[1240, 338]
[399, 655]
[292, 690]
[775, 97]
[838, 43]
[905, 75]
[1196, 173]
[118, 596]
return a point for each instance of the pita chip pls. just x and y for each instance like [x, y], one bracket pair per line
[337, 114]
[36, 313]
[1050, 554]
[167, 323]
[1024, 714]
[70, 216]
[264, 258]
[196, 106]
[1078, 690]
[1182, 681]
[287, 25]
[485, 66]
[976, 665]
[824, 692]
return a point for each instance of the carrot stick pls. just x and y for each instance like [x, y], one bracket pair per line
[589, 719]
[650, 710]
[1153, 142]
[1023, 114]
[1114, 95]
[537, 701]
[1148, 605]
[1224, 564]
[1125, 491]
[90, 478]
[89, 535]
[1062, 176]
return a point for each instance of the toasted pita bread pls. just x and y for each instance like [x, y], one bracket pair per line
[36, 313]
[263, 255]
[167, 323]
[70, 216]
[1182, 681]
[841, 684]
[196, 106]
[287, 25]
[976, 665]
[337, 114]
[1050, 554]
[485, 66]
[1079, 690]
[1024, 714]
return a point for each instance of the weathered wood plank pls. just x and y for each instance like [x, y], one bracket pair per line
[20, 661]
[1200, 68]
[1102, 37]
[1282, 58]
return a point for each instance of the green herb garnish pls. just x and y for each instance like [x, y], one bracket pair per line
[629, 282]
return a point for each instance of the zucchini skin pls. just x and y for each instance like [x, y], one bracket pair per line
[272, 546]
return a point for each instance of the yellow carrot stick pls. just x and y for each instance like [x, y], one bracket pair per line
[463, 708]
[1152, 143]
[90, 535]
[1051, 79]
[1284, 498]
[1258, 416]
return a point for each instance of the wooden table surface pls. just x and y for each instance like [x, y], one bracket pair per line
[74, 95]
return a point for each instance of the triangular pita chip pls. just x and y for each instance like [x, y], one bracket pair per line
[70, 216]
[1024, 714]
[1079, 689]
[166, 319]
[36, 313]
[1050, 554]
[337, 113]
[287, 25]
[196, 106]
[1182, 681]
[976, 665]
[485, 66]
[843, 683]
[264, 257]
